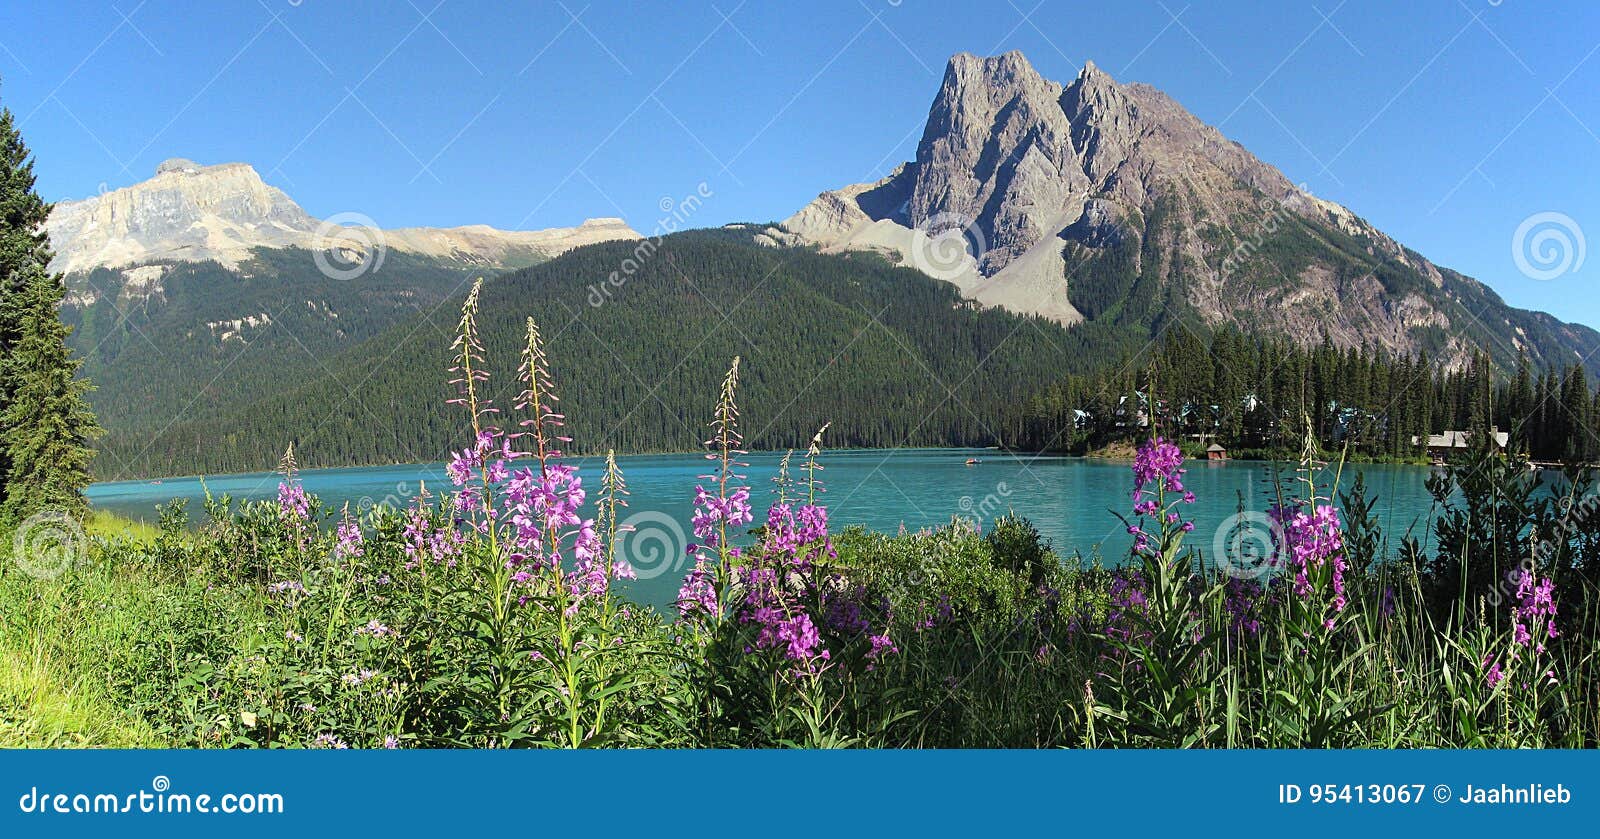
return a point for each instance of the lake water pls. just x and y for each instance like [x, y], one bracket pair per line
[1070, 500]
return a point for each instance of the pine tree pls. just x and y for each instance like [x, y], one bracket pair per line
[45, 422]
[1575, 399]
[21, 215]
[1518, 415]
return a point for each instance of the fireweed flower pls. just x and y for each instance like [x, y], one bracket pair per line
[1243, 599]
[843, 613]
[1533, 622]
[774, 588]
[486, 462]
[850, 612]
[802, 638]
[1535, 606]
[697, 597]
[423, 540]
[698, 594]
[1492, 675]
[589, 577]
[350, 540]
[293, 504]
[1128, 608]
[781, 623]
[943, 613]
[294, 510]
[464, 464]
[799, 536]
[1157, 474]
[1313, 549]
[540, 506]
[712, 513]
[1157, 463]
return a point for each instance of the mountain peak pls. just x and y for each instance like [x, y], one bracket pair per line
[177, 164]
[1092, 70]
[1005, 71]
[183, 167]
[1106, 201]
[189, 212]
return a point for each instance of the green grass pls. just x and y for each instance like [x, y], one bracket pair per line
[110, 526]
[41, 707]
[57, 639]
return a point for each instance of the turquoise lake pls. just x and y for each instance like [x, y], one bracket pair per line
[1070, 500]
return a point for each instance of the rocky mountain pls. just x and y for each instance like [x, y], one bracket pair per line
[197, 289]
[1102, 201]
[223, 213]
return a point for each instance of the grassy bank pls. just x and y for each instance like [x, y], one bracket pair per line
[52, 692]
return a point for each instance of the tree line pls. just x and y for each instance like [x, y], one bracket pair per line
[1256, 394]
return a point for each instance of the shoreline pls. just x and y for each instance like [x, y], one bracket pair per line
[1116, 452]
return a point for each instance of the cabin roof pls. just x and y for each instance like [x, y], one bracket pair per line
[1458, 439]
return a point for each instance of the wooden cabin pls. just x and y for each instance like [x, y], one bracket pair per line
[1441, 446]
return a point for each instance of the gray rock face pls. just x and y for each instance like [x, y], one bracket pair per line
[193, 213]
[177, 164]
[186, 212]
[1052, 185]
[997, 149]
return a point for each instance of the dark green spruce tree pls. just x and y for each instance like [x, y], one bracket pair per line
[45, 423]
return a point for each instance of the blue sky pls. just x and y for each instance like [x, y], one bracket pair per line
[1444, 122]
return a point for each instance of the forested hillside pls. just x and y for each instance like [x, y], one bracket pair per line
[205, 339]
[889, 356]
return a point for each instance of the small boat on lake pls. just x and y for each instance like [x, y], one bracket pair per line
[972, 461]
